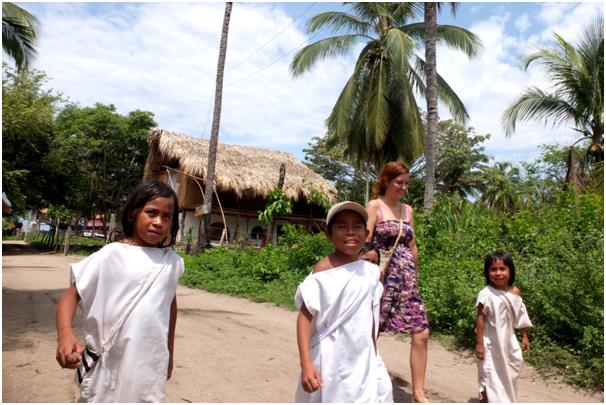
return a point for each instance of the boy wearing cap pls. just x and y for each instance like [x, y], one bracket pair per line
[338, 318]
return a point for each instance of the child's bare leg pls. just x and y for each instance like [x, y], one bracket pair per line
[418, 364]
[484, 398]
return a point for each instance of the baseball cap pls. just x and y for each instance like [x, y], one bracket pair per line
[344, 206]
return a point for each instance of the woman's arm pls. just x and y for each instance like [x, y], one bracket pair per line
[310, 377]
[67, 344]
[171, 336]
[480, 332]
[413, 242]
[372, 209]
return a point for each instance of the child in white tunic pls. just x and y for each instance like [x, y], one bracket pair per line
[140, 361]
[500, 311]
[337, 323]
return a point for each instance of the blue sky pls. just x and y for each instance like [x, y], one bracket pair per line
[162, 57]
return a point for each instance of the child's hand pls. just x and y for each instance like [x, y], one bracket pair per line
[69, 350]
[525, 343]
[310, 378]
[480, 351]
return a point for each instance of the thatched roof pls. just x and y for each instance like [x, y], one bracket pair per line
[244, 170]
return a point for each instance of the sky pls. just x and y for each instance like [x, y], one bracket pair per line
[162, 57]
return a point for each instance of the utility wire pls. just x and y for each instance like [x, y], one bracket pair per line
[265, 67]
[271, 39]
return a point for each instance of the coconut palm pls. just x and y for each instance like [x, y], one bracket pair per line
[500, 190]
[204, 224]
[19, 34]
[376, 114]
[576, 72]
[431, 10]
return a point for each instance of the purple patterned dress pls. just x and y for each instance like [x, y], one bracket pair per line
[402, 309]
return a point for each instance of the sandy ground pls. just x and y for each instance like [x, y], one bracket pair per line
[226, 350]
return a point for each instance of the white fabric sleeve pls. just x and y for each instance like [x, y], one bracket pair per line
[308, 292]
[85, 275]
[484, 299]
[522, 318]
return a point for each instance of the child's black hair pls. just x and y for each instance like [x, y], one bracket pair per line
[332, 220]
[370, 247]
[145, 192]
[507, 260]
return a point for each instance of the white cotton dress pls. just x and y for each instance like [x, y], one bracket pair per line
[499, 371]
[344, 302]
[135, 368]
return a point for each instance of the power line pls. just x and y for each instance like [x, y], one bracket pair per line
[271, 39]
[265, 67]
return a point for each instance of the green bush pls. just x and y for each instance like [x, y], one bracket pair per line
[270, 274]
[558, 252]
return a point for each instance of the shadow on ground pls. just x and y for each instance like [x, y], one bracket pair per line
[13, 249]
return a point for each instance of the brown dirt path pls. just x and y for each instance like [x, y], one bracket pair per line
[226, 350]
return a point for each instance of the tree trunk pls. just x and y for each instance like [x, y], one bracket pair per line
[431, 95]
[214, 135]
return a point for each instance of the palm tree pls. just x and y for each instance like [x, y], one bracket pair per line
[577, 77]
[500, 187]
[376, 114]
[19, 34]
[204, 225]
[431, 95]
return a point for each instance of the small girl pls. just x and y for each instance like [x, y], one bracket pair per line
[140, 359]
[500, 311]
[370, 252]
[337, 323]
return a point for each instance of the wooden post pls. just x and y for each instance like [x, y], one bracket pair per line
[270, 228]
[66, 241]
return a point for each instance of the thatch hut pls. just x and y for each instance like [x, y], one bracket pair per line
[243, 177]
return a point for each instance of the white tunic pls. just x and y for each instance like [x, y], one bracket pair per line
[499, 371]
[344, 303]
[135, 368]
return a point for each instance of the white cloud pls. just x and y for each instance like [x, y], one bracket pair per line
[523, 22]
[162, 57]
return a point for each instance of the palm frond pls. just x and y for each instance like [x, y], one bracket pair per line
[446, 95]
[338, 21]
[320, 50]
[535, 104]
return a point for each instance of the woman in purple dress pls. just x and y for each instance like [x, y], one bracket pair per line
[402, 309]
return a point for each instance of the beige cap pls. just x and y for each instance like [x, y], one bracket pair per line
[344, 206]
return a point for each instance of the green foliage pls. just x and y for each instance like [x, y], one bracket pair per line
[103, 151]
[277, 204]
[27, 131]
[330, 162]
[269, 274]
[558, 252]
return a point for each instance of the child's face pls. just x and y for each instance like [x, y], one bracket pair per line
[154, 221]
[348, 233]
[370, 256]
[498, 274]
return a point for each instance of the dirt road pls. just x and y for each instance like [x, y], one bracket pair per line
[226, 350]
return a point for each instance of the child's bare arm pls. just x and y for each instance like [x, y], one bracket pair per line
[480, 332]
[310, 377]
[67, 343]
[171, 336]
[525, 340]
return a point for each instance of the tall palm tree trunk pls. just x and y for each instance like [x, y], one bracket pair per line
[204, 226]
[432, 102]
